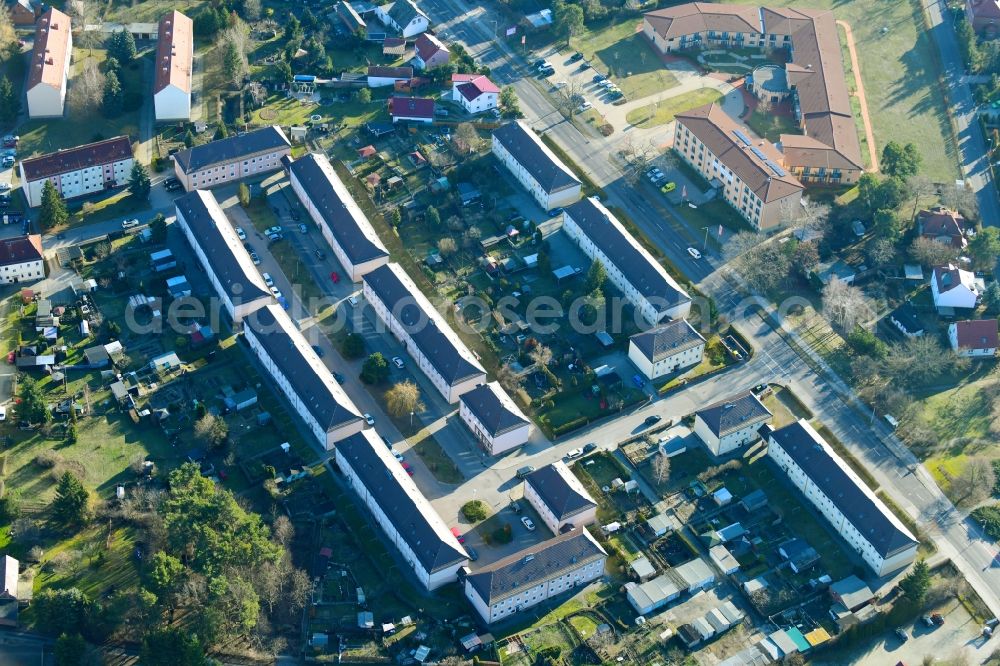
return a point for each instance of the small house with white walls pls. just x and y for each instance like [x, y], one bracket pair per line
[731, 424]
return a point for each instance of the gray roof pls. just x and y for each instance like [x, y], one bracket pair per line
[226, 150]
[862, 509]
[491, 411]
[907, 317]
[536, 564]
[734, 413]
[350, 228]
[547, 170]
[560, 490]
[217, 239]
[667, 339]
[439, 347]
[404, 11]
[642, 271]
[413, 517]
[309, 378]
[853, 591]
[694, 572]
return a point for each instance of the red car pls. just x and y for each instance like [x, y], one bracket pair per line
[458, 535]
[335, 276]
[408, 467]
[10, 358]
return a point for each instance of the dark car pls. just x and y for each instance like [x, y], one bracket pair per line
[320, 254]
[589, 447]
[538, 63]
[576, 56]
[901, 635]
[598, 78]
[473, 555]
[339, 377]
[584, 66]
[553, 212]
[653, 419]
[319, 350]
[525, 471]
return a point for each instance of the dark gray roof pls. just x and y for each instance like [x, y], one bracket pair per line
[412, 515]
[907, 317]
[232, 148]
[560, 490]
[342, 215]
[667, 339]
[734, 413]
[229, 261]
[521, 142]
[648, 277]
[439, 348]
[490, 410]
[862, 509]
[404, 11]
[535, 565]
[309, 378]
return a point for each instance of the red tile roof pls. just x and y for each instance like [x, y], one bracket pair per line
[92, 154]
[411, 107]
[20, 250]
[461, 78]
[427, 45]
[48, 60]
[174, 52]
[478, 86]
[942, 222]
[977, 334]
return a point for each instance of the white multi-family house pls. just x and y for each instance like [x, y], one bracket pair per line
[404, 17]
[174, 60]
[559, 497]
[974, 339]
[344, 226]
[311, 389]
[536, 167]
[48, 68]
[77, 172]
[667, 348]
[439, 353]
[731, 423]
[21, 259]
[475, 92]
[534, 575]
[952, 287]
[853, 510]
[629, 266]
[493, 418]
[237, 284]
[232, 159]
[400, 510]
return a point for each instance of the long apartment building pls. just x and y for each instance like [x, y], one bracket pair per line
[827, 150]
[630, 267]
[534, 575]
[48, 71]
[174, 60]
[537, 168]
[77, 172]
[303, 378]
[400, 510]
[231, 159]
[344, 226]
[439, 353]
[861, 518]
[234, 278]
[748, 171]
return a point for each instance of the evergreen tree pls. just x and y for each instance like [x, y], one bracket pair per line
[916, 583]
[71, 506]
[32, 407]
[114, 97]
[158, 228]
[375, 369]
[596, 277]
[138, 182]
[121, 46]
[188, 139]
[53, 212]
[10, 104]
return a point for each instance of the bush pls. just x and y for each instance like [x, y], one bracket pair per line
[475, 511]
[48, 459]
[503, 534]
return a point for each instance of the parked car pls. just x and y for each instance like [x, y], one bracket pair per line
[528, 523]
[353, 300]
[408, 467]
[339, 377]
[538, 63]
[525, 471]
[574, 453]
[4, 187]
[369, 419]
[398, 362]
[584, 66]
[335, 276]
[10, 140]
[255, 259]
[901, 635]
[576, 56]
[274, 238]
[303, 229]
[275, 292]
[543, 64]
[584, 107]
[171, 184]
[669, 187]
[457, 533]
[268, 280]
[560, 85]
[473, 555]
[638, 380]
[242, 235]
[319, 350]
[554, 211]
[130, 223]
[587, 448]
[653, 419]
[320, 254]
[273, 230]
[8, 161]
[598, 78]
[397, 455]
[694, 252]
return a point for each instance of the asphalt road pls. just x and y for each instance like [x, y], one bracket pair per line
[892, 465]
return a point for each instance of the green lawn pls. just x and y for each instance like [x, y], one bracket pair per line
[901, 75]
[621, 50]
[771, 126]
[664, 111]
[287, 111]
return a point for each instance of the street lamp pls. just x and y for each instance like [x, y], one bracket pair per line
[411, 418]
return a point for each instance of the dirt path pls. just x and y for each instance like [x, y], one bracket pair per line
[860, 93]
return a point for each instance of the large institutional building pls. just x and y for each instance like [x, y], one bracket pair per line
[537, 168]
[232, 159]
[77, 172]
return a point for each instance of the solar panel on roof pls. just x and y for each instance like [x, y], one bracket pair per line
[742, 137]
[758, 152]
[778, 171]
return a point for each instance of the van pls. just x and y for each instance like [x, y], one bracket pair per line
[893, 423]
[525, 471]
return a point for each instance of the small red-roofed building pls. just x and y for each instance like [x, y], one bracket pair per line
[475, 92]
[974, 339]
[411, 109]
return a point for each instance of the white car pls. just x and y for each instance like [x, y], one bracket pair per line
[369, 419]
[267, 279]
[694, 253]
[584, 107]
[3, 412]
[130, 224]
[560, 85]
[4, 187]
[275, 292]
[527, 522]
[574, 453]
[398, 362]
[397, 455]
[353, 300]
[242, 235]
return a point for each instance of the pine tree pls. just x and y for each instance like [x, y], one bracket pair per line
[138, 182]
[114, 98]
[121, 46]
[188, 139]
[53, 213]
[10, 105]
[71, 506]
[916, 583]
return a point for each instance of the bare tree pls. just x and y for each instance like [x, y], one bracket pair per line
[541, 355]
[974, 483]
[661, 467]
[447, 247]
[509, 379]
[962, 199]
[283, 530]
[846, 306]
[934, 362]
[931, 252]
[812, 218]
[467, 135]
[8, 38]
[921, 188]
[742, 243]
[87, 89]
